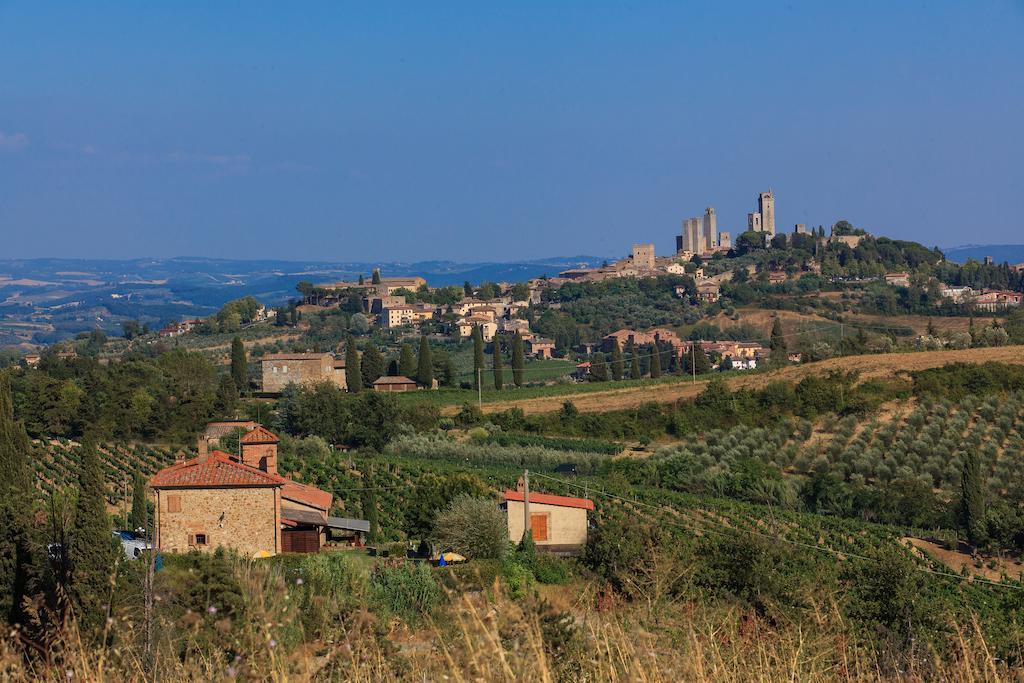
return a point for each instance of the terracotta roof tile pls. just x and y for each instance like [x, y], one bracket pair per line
[218, 469]
[306, 494]
[394, 379]
[260, 434]
[548, 499]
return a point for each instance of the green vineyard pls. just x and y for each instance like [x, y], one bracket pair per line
[55, 463]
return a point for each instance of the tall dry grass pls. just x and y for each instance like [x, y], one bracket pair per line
[482, 635]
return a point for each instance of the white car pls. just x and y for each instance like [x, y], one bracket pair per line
[133, 545]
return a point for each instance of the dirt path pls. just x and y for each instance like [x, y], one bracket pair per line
[872, 366]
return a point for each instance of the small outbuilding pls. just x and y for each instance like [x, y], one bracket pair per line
[558, 523]
[396, 383]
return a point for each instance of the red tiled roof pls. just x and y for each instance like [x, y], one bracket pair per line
[396, 379]
[548, 499]
[260, 435]
[307, 495]
[218, 469]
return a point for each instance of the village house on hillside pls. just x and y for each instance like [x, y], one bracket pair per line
[992, 300]
[558, 524]
[240, 502]
[395, 383]
[281, 369]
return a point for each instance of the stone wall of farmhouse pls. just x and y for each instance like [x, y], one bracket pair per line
[243, 518]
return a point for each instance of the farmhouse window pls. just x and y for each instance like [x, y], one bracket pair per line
[174, 503]
[539, 525]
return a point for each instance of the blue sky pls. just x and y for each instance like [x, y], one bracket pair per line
[407, 131]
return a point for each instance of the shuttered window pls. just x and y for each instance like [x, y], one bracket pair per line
[174, 503]
[539, 526]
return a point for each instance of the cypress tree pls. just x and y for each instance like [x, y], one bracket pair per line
[91, 551]
[370, 504]
[518, 359]
[499, 372]
[137, 520]
[239, 365]
[634, 360]
[478, 356]
[15, 509]
[375, 278]
[972, 499]
[698, 361]
[448, 372]
[226, 398]
[353, 373]
[361, 281]
[425, 368]
[406, 362]
[467, 289]
[371, 365]
[655, 362]
[779, 354]
[598, 368]
[618, 368]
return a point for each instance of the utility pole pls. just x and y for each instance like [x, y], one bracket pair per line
[124, 500]
[526, 504]
[480, 387]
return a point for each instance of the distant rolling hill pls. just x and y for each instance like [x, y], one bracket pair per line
[1011, 253]
[45, 300]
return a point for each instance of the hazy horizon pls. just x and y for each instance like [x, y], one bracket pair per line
[498, 134]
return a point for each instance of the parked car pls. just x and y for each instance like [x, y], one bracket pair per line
[132, 544]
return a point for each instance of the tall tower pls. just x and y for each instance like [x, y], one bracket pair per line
[710, 230]
[695, 236]
[754, 221]
[766, 207]
[643, 256]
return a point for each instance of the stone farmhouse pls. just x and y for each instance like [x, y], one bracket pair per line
[992, 300]
[281, 369]
[396, 383]
[558, 524]
[239, 502]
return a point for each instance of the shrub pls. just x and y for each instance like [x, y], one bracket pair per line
[477, 435]
[332, 587]
[474, 527]
[549, 569]
[518, 580]
[405, 589]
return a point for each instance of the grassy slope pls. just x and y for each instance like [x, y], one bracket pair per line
[631, 394]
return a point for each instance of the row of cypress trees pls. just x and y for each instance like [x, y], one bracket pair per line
[516, 351]
[363, 369]
[74, 574]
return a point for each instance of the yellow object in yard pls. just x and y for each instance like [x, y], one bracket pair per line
[262, 553]
[452, 558]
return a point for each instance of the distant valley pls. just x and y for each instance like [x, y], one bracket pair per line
[46, 300]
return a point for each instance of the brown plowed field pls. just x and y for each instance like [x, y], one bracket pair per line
[880, 365]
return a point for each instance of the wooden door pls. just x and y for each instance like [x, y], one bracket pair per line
[300, 541]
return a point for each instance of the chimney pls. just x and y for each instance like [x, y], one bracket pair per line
[203, 445]
[259, 449]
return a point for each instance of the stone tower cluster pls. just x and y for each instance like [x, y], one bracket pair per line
[763, 220]
[700, 234]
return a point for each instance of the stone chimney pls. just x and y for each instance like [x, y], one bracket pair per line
[203, 446]
[259, 449]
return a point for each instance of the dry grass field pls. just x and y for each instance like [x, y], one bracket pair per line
[870, 366]
[793, 322]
